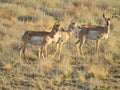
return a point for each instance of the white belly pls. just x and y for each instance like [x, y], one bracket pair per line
[35, 40]
[93, 35]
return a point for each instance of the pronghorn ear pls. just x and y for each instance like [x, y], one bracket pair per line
[103, 15]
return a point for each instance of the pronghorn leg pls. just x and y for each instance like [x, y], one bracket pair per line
[97, 46]
[22, 50]
[77, 47]
[82, 41]
[60, 48]
[45, 52]
[42, 52]
[57, 48]
[39, 52]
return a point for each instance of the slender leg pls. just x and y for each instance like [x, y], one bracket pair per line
[39, 52]
[42, 52]
[46, 54]
[97, 46]
[61, 44]
[24, 50]
[21, 50]
[57, 48]
[82, 41]
[77, 47]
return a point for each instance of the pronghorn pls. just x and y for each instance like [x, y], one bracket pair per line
[78, 29]
[93, 32]
[40, 38]
[65, 35]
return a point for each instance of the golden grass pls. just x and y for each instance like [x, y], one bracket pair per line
[98, 71]
[70, 72]
[82, 78]
[8, 66]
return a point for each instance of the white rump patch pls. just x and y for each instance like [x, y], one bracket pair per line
[94, 34]
[35, 40]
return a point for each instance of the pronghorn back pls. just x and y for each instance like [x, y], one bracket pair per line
[34, 37]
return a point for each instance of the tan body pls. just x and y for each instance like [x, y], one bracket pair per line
[65, 35]
[40, 38]
[93, 33]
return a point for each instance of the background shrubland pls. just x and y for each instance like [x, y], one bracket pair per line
[71, 72]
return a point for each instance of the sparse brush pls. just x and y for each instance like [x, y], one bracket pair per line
[82, 78]
[109, 58]
[98, 71]
[95, 83]
[54, 74]
[8, 66]
[64, 67]
[45, 66]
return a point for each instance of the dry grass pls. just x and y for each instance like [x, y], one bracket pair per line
[98, 71]
[71, 72]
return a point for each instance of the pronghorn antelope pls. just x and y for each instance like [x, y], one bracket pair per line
[65, 35]
[93, 32]
[40, 38]
[78, 29]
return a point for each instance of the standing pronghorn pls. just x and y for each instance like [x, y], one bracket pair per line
[94, 33]
[40, 38]
[65, 35]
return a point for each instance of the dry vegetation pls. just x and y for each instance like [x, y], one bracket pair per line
[71, 72]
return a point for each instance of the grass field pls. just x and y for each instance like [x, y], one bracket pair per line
[71, 72]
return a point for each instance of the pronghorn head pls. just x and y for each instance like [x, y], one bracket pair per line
[58, 23]
[73, 21]
[108, 20]
[72, 25]
[56, 26]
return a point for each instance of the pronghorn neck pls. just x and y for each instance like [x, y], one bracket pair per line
[107, 27]
[71, 27]
[54, 31]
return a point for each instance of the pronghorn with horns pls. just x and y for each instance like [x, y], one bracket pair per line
[93, 32]
[65, 35]
[40, 38]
